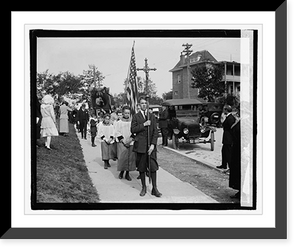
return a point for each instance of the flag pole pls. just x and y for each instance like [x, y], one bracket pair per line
[148, 138]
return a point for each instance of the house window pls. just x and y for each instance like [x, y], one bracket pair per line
[178, 79]
[237, 70]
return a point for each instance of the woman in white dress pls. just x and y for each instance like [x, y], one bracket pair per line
[63, 119]
[48, 127]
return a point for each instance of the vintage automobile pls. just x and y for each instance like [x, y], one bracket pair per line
[185, 124]
[211, 113]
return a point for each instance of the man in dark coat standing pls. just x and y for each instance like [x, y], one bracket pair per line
[235, 164]
[163, 125]
[83, 118]
[227, 139]
[139, 127]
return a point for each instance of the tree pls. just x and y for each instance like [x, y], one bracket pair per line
[230, 99]
[45, 83]
[64, 83]
[119, 99]
[91, 78]
[207, 78]
[141, 88]
[68, 83]
[168, 95]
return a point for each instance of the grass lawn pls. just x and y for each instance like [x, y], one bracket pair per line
[62, 175]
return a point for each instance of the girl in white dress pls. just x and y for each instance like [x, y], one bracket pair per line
[106, 134]
[48, 124]
[126, 156]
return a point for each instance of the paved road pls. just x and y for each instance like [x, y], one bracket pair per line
[201, 151]
[113, 189]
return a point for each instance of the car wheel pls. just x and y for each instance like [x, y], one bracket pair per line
[175, 142]
[212, 140]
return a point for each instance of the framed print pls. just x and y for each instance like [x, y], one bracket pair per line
[80, 193]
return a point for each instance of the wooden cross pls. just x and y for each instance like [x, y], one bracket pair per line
[146, 69]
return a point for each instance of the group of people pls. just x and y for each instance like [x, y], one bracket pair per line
[131, 140]
[54, 121]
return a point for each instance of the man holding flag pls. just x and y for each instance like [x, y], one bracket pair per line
[143, 126]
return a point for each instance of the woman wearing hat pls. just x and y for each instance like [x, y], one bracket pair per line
[63, 119]
[48, 127]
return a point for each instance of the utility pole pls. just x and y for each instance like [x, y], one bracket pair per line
[94, 73]
[187, 52]
[146, 69]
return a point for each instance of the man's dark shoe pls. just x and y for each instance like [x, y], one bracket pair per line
[221, 167]
[156, 193]
[121, 175]
[128, 177]
[143, 192]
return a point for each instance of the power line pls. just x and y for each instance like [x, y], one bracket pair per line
[187, 52]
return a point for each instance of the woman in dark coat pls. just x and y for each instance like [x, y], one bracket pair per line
[235, 164]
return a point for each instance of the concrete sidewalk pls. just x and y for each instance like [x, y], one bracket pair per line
[113, 189]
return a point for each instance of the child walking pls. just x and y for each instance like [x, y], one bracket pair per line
[106, 134]
[114, 123]
[126, 156]
[93, 128]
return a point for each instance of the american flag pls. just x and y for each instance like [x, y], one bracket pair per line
[131, 87]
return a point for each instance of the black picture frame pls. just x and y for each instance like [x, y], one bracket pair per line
[278, 232]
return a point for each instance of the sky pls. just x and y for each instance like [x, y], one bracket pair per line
[112, 56]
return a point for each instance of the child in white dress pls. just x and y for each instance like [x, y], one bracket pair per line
[48, 124]
[106, 135]
[126, 156]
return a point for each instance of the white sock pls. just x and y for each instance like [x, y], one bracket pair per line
[48, 141]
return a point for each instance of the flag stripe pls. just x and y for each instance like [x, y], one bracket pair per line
[131, 84]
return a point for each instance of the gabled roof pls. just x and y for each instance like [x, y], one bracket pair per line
[195, 58]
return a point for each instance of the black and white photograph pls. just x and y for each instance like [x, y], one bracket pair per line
[148, 125]
[143, 119]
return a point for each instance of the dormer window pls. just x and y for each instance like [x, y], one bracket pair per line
[195, 59]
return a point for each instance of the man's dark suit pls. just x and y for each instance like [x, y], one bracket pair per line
[140, 141]
[83, 118]
[141, 148]
[227, 140]
[163, 125]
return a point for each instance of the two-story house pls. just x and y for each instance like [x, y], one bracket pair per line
[181, 79]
